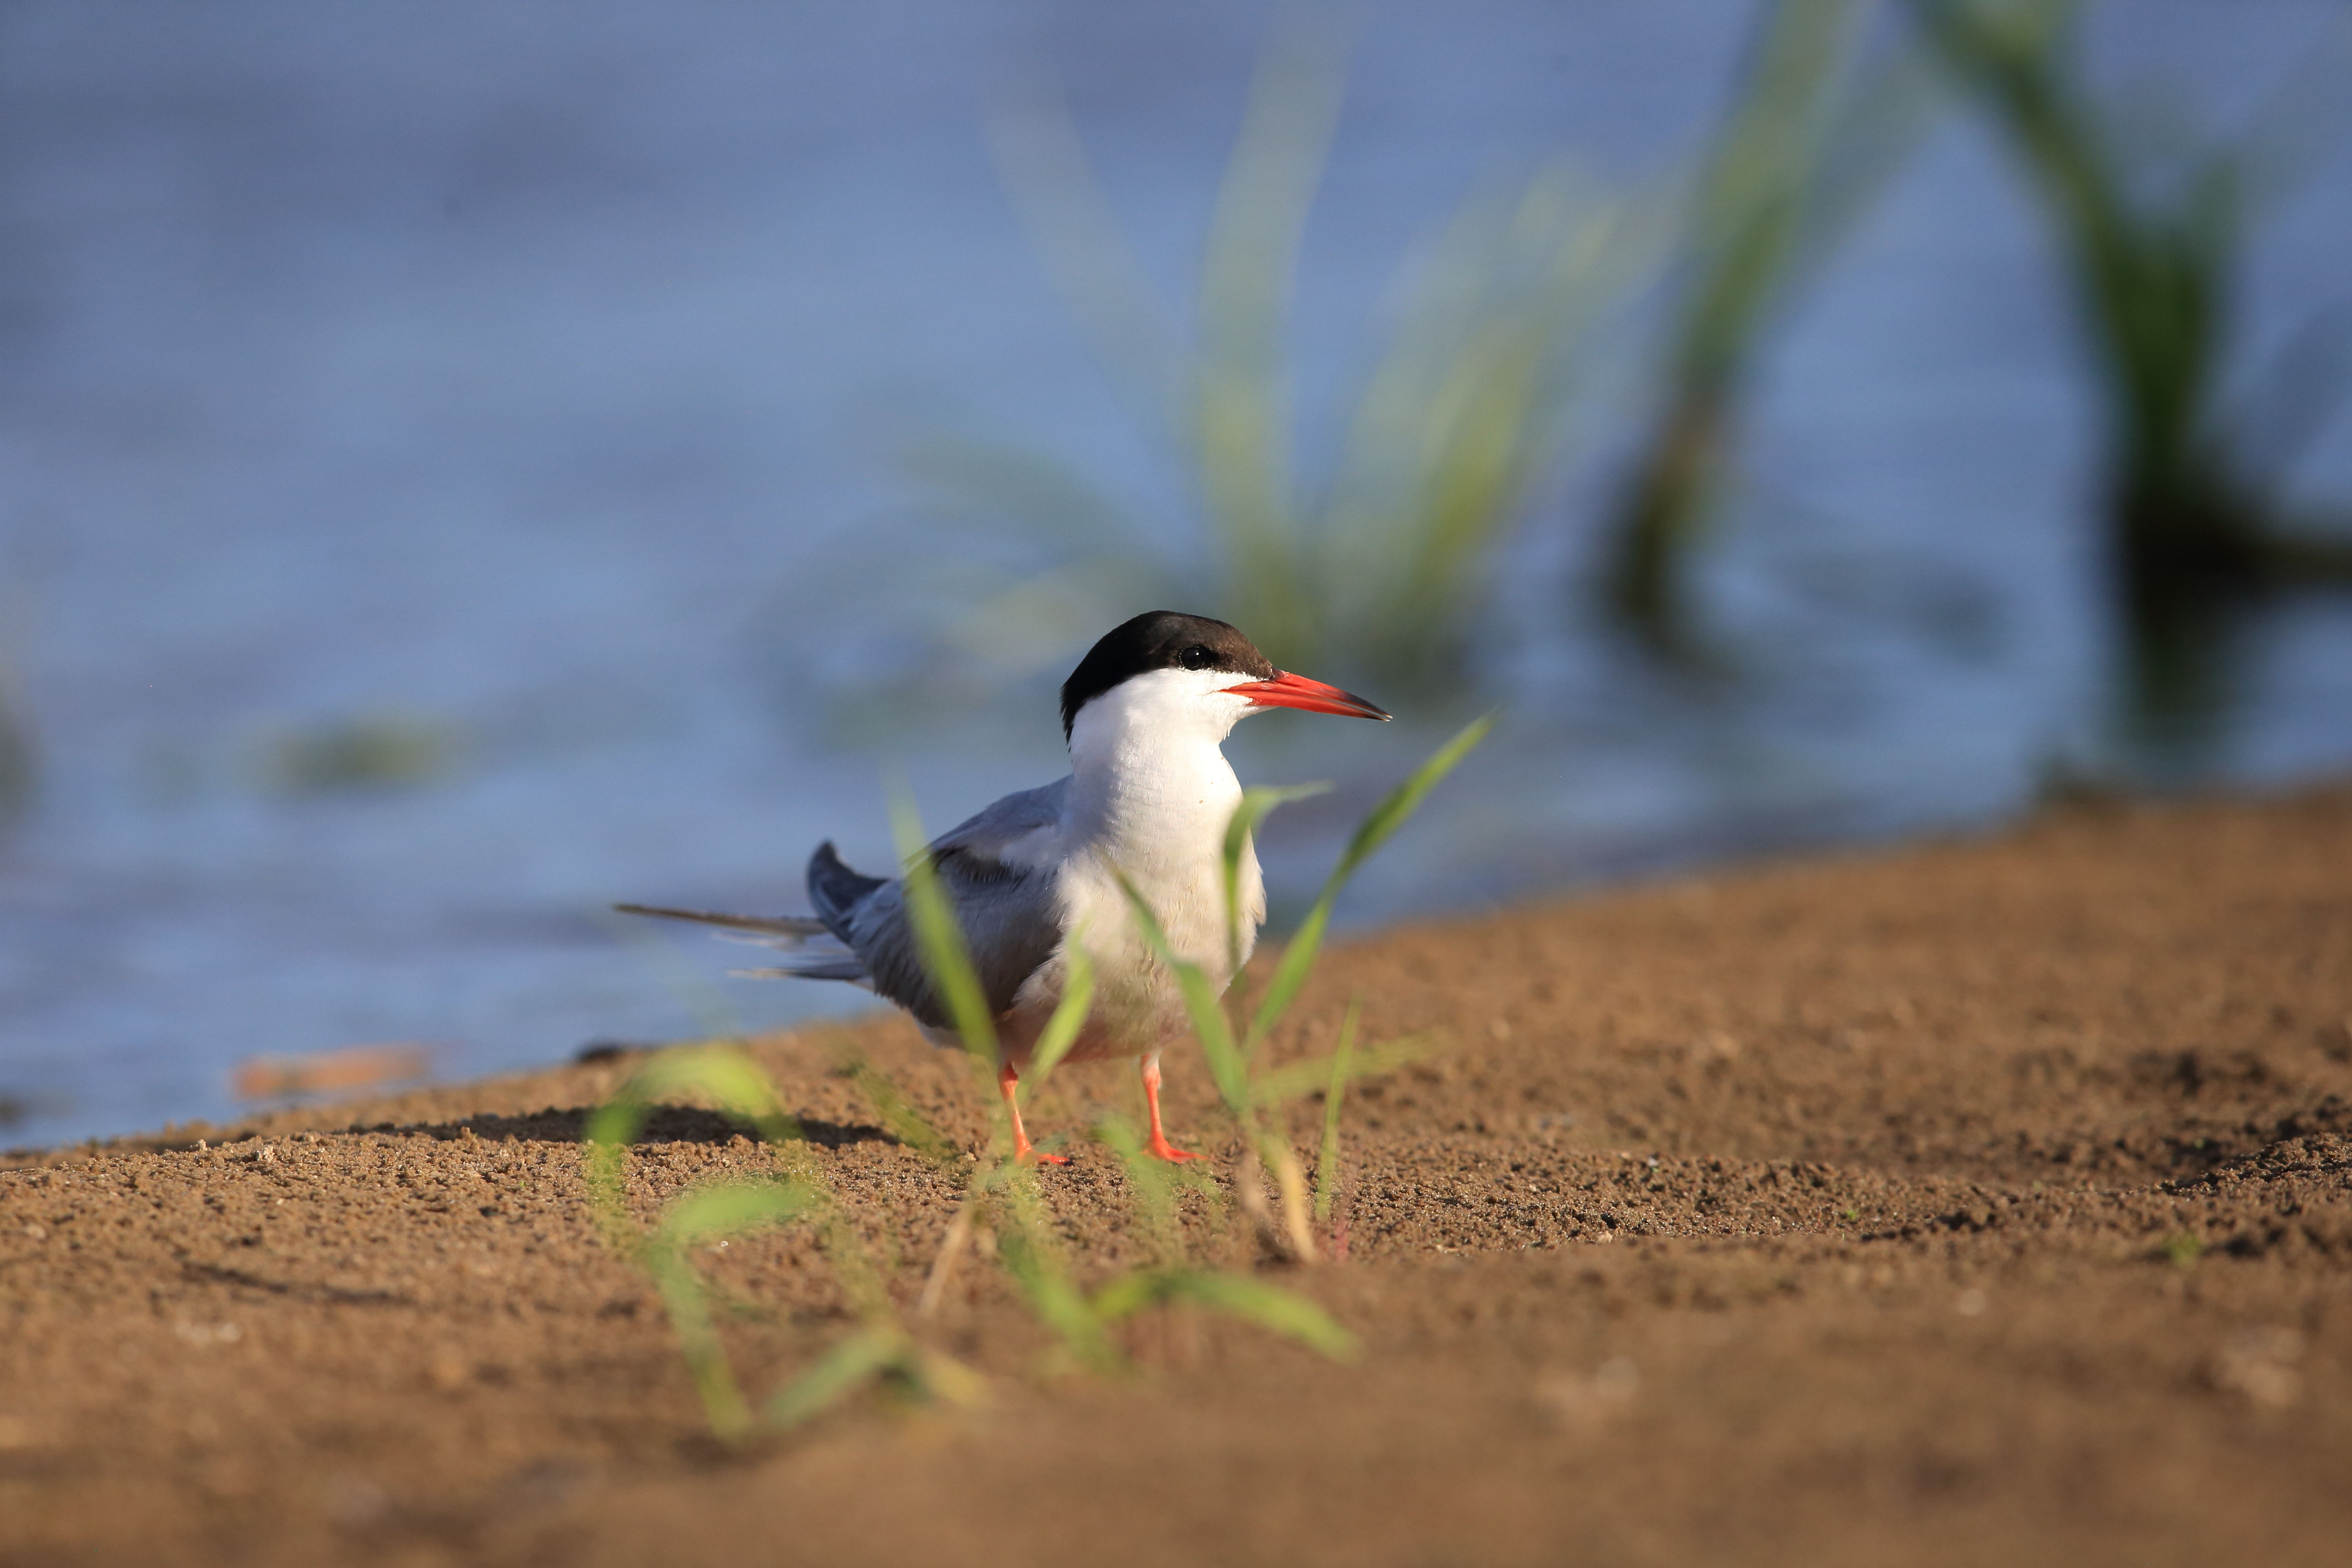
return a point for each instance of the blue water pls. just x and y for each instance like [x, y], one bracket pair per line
[521, 376]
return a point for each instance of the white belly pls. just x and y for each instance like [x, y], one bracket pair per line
[1137, 1006]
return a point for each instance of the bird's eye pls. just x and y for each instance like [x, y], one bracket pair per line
[1196, 658]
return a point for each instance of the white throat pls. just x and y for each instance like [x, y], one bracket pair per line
[1148, 771]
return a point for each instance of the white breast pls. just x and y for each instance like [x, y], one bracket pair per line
[1150, 797]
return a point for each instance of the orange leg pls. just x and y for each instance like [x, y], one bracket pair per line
[1159, 1143]
[1009, 1081]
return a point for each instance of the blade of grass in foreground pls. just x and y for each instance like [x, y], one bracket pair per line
[719, 1074]
[947, 959]
[1255, 804]
[837, 1373]
[1061, 1031]
[1298, 957]
[1226, 1067]
[1269, 1306]
[900, 1117]
[1326, 1159]
[1030, 1250]
[698, 1219]
[1150, 1185]
[1294, 1080]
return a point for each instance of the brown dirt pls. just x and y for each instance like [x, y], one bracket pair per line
[1976, 1203]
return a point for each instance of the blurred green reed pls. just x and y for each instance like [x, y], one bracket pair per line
[364, 752]
[1384, 568]
[1814, 127]
[2154, 234]
[20, 760]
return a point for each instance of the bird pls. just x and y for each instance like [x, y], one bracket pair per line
[1046, 871]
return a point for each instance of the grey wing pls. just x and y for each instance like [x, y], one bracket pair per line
[1004, 899]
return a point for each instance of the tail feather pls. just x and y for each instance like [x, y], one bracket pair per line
[767, 925]
[808, 949]
[812, 966]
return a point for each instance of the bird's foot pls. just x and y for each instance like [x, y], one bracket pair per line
[1167, 1151]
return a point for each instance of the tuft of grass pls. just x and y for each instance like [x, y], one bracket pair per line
[713, 1212]
[1810, 135]
[2183, 1249]
[2154, 241]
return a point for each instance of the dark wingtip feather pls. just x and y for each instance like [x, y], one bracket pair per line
[835, 891]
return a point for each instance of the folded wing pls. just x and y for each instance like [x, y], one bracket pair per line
[998, 873]
[998, 870]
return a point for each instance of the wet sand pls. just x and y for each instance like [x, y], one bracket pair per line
[1985, 1202]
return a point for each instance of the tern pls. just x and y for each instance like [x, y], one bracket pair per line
[1147, 800]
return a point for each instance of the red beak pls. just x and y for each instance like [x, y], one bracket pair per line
[1288, 690]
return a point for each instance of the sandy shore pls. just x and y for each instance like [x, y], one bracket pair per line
[1969, 1203]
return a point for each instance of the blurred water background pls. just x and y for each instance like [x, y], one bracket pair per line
[465, 465]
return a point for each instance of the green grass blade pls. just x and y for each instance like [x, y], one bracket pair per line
[697, 1341]
[1058, 1303]
[721, 1075]
[839, 1373]
[900, 1117]
[701, 1216]
[1294, 1081]
[1151, 1185]
[1327, 1158]
[713, 1212]
[1029, 1255]
[947, 958]
[1281, 1161]
[1298, 957]
[1255, 804]
[731, 1080]
[941, 1377]
[1061, 1031]
[1269, 1306]
[1226, 1068]
[1128, 1294]
[1405, 799]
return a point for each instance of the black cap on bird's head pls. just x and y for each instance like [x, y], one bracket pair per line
[1169, 639]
